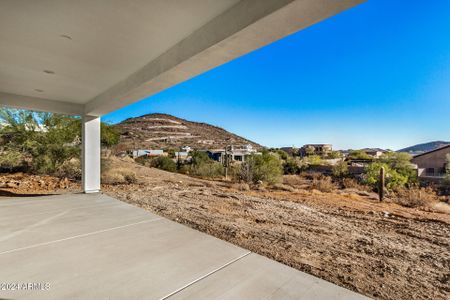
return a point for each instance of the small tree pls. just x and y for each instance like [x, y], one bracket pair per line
[47, 140]
[393, 178]
[265, 167]
[109, 135]
[401, 163]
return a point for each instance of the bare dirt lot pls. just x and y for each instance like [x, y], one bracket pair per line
[382, 250]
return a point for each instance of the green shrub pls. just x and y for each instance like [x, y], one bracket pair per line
[393, 180]
[265, 167]
[163, 163]
[47, 140]
[359, 154]
[291, 167]
[340, 169]
[109, 135]
[201, 165]
[334, 154]
[401, 163]
[11, 160]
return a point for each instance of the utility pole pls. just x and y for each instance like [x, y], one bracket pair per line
[381, 183]
[226, 162]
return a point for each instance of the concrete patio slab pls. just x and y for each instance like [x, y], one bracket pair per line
[96, 247]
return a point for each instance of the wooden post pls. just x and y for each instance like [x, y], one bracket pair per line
[381, 183]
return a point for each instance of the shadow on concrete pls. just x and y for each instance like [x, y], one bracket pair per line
[4, 193]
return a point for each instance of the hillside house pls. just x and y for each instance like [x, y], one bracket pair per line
[148, 153]
[235, 153]
[316, 149]
[432, 165]
[186, 149]
[181, 155]
[374, 152]
[290, 150]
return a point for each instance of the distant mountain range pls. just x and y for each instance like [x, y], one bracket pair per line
[425, 147]
[162, 131]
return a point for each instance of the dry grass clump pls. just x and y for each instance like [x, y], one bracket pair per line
[415, 197]
[295, 181]
[112, 174]
[283, 187]
[119, 176]
[352, 183]
[242, 186]
[323, 184]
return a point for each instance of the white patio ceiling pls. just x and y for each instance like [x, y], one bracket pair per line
[91, 57]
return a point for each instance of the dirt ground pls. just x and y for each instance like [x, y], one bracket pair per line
[381, 250]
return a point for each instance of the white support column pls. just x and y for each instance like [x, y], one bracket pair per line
[91, 154]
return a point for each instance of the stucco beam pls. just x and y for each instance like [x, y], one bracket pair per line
[247, 26]
[40, 104]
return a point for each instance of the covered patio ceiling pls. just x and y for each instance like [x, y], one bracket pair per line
[91, 57]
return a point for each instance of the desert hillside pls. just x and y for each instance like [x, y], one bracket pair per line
[425, 147]
[161, 131]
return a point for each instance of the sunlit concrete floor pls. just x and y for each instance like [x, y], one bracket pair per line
[91, 246]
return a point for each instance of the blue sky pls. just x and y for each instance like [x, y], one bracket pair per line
[377, 75]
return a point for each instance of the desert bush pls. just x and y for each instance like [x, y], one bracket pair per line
[265, 167]
[201, 165]
[312, 175]
[340, 169]
[12, 160]
[401, 163]
[294, 180]
[394, 179]
[70, 169]
[163, 163]
[350, 183]
[323, 184]
[111, 174]
[291, 166]
[334, 154]
[110, 136]
[359, 154]
[47, 139]
[207, 170]
[118, 176]
[415, 197]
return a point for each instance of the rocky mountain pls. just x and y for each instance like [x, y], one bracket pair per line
[425, 147]
[161, 131]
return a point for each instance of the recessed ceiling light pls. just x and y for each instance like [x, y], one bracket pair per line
[49, 71]
[66, 36]
[39, 90]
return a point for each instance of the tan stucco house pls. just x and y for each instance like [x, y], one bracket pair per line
[432, 164]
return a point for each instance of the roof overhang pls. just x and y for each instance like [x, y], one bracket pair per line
[94, 57]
